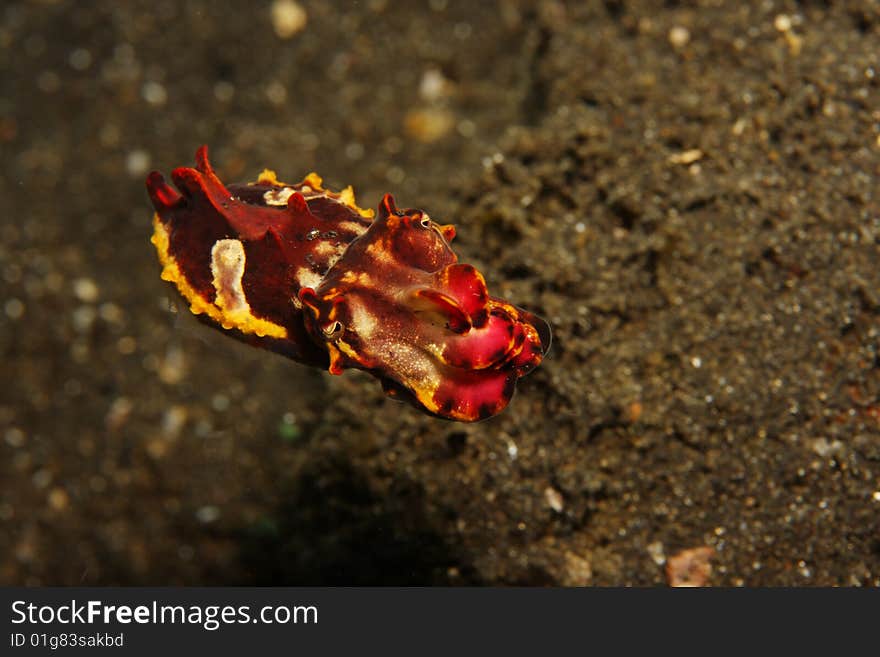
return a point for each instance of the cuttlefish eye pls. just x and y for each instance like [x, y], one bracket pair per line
[334, 330]
[425, 221]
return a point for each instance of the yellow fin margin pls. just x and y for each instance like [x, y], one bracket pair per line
[314, 181]
[246, 323]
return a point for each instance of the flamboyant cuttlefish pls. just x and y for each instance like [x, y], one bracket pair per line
[305, 272]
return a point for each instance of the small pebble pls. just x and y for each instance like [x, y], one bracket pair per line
[354, 151]
[782, 23]
[462, 31]
[110, 313]
[276, 93]
[154, 93]
[825, 448]
[14, 309]
[58, 499]
[466, 128]
[633, 412]
[434, 85]
[42, 478]
[288, 18]
[679, 36]
[657, 552]
[126, 345]
[429, 124]
[80, 59]
[173, 367]
[173, 420]
[15, 437]
[137, 163]
[118, 414]
[157, 448]
[86, 290]
[83, 317]
[577, 571]
[804, 569]
[203, 428]
[207, 514]
[395, 175]
[554, 499]
[288, 428]
[686, 157]
[691, 567]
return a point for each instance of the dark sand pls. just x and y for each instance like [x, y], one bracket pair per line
[688, 193]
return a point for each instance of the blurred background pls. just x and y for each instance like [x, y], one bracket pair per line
[687, 191]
